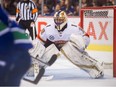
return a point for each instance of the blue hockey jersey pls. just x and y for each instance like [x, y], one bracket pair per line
[11, 34]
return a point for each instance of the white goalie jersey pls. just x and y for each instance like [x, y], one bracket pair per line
[51, 34]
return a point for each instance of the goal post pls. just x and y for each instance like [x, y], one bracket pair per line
[100, 24]
[114, 44]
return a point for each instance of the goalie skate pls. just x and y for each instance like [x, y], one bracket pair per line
[99, 74]
[97, 66]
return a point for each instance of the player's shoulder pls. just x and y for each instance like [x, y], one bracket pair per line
[47, 27]
[50, 25]
[19, 2]
[72, 25]
[31, 1]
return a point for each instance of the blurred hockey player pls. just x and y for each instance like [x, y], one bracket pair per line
[14, 57]
[70, 40]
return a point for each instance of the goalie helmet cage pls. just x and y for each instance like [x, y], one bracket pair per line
[114, 27]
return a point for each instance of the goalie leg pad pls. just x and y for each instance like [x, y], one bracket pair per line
[82, 60]
[37, 50]
[49, 53]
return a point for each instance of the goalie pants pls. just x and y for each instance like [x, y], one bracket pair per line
[13, 65]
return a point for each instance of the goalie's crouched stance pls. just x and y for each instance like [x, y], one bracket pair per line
[74, 51]
[71, 40]
[41, 58]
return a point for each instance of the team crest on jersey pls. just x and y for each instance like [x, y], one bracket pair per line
[51, 37]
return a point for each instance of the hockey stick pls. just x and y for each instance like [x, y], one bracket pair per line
[34, 31]
[39, 76]
[50, 62]
[42, 70]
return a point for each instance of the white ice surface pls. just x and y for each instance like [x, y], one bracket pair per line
[68, 75]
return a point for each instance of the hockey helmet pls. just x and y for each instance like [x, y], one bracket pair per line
[60, 19]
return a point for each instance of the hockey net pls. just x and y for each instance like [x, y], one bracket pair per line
[100, 24]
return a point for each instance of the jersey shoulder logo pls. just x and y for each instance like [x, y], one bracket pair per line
[51, 37]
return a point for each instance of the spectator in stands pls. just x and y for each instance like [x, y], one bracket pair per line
[74, 2]
[38, 3]
[62, 4]
[110, 2]
[89, 3]
[50, 4]
[100, 2]
[83, 3]
[69, 9]
[76, 11]
[46, 11]
[9, 6]
[57, 8]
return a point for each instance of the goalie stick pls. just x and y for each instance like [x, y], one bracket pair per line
[34, 31]
[39, 76]
[50, 62]
[42, 70]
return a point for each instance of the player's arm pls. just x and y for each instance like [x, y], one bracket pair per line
[18, 12]
[34, 11]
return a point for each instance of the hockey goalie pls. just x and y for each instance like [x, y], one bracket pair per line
[68, 39]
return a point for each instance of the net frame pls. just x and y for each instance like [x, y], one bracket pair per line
[114, 37]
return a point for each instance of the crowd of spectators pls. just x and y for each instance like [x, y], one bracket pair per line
[71, 7]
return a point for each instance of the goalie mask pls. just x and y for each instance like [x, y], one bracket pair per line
[60, 19]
